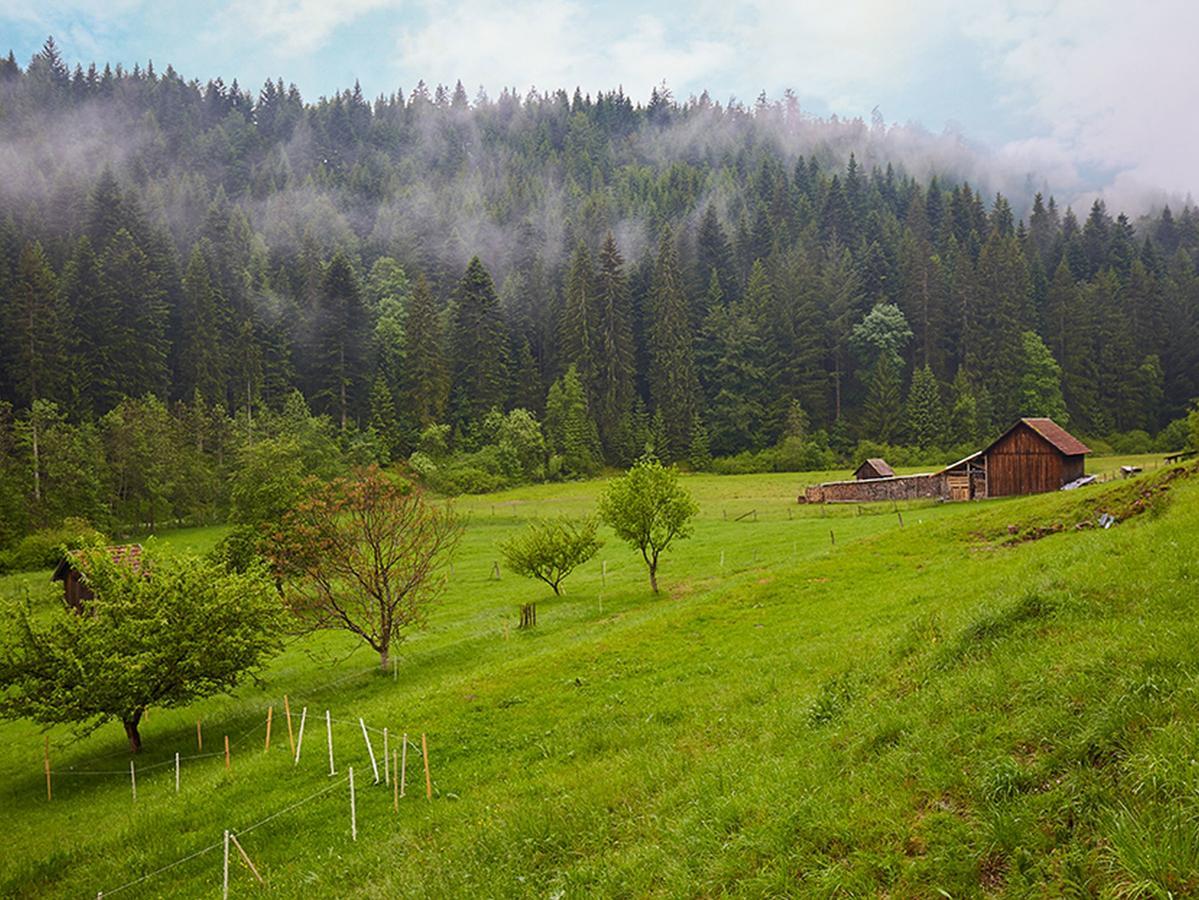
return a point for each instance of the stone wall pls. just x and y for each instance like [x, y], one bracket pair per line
[902, 487]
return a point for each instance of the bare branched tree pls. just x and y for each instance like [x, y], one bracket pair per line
[366, 554]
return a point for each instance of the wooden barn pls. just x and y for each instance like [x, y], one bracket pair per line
[1031, 457]
[873, 468]
[75, 589]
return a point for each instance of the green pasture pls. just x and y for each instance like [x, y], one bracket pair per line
[942, 707]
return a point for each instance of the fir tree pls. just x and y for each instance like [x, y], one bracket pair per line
[615, 373]
[340, 328]
[926, 423]
[198, 364]
[673, 385]
[426, 379]
[480, 369]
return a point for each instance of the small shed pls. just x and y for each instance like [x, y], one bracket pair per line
[873, 468]
[75, 589]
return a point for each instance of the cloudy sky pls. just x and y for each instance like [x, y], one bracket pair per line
[1094, 94]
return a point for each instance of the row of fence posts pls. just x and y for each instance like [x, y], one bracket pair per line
[393, 762]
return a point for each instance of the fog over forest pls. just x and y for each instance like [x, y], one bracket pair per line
[710, 280]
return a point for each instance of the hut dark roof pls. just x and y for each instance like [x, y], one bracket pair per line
[127, 554]
[1054, 433]
[880, 466]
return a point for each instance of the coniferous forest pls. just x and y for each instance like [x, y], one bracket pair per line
[193, 276]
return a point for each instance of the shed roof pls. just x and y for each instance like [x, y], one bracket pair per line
[1052, 432]
[879, 465]
[128, 554]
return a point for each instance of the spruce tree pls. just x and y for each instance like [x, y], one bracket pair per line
[615, 373]
[926, 423]
[673, 385]
[340, 330]
[480, 367]
[426, 377]
[198, 364]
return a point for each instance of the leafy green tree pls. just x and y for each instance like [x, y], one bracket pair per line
[139, 449]
[1041, 381]
[163, 632]
[383, 420]
[550, 549]
[648, 509]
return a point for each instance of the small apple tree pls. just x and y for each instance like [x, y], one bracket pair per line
[648, 509]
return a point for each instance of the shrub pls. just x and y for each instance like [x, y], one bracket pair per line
[550, 549]
[43, 549]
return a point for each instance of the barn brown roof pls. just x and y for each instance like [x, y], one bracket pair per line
[1058, 436]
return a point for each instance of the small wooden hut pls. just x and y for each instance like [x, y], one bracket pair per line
[873, 468]
[75, 589]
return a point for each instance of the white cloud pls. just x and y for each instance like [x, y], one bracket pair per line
[296, 27]
[1113, 86]
[550, 44]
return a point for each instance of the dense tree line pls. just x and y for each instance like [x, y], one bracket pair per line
[548, 283]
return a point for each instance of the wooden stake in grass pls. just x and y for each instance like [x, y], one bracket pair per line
[369, 749]
[300, 739]
[386, 760]
[176, 771]
[225, 878]
[133, 780]
[898, 513]
[291, 741]
[404, 763]
[353, 810]
[46, 760]
[424, 752]
[395, 784]
[227, 766]
[329, 732]
[199, 738]
[604, 573]
[270, 712]
[832, 537]
[245, 857]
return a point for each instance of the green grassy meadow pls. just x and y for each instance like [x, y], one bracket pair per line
[943, 708]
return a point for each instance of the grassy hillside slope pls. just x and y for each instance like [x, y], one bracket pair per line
[989, 700]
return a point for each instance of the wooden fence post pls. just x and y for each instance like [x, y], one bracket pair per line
[176, 771]
[199, 738]
[46, 760]
[133, 780]
[270, 711]
[395, 783]
[329, 732]
[424, 752]
[404, 764]
[291, 741]
[227, 766]
[386, 759]
[245, 857]
[832, 537]
[353, 810]
[225, 877]
[300, 740]
[369, 749]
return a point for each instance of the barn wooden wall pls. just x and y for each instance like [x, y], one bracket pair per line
[1023, 462]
